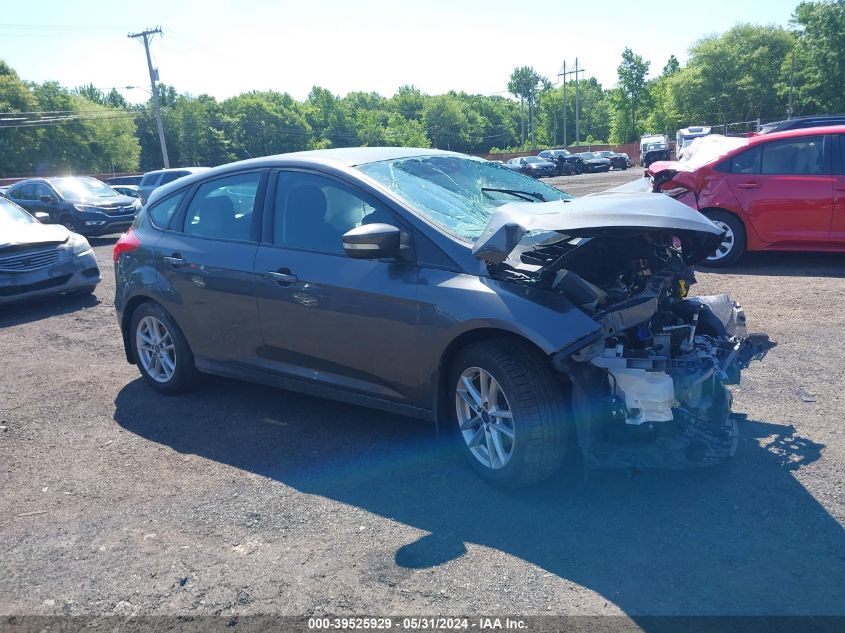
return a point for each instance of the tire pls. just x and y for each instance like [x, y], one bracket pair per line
[539, 415]
[175, 371]
[734, 245]
[69, 223]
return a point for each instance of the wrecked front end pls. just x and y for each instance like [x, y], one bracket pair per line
[651, 390]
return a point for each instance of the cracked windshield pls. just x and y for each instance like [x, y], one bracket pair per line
[458, 194]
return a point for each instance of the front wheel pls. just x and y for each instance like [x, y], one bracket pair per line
[160, 350]
[69, 223]
[733, 242]
[512, 412]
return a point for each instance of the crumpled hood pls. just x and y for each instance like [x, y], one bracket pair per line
[609, 213]
[16, 234]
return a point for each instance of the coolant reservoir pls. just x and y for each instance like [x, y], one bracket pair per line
[649, 395]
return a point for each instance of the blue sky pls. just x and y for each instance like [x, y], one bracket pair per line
[225, 47]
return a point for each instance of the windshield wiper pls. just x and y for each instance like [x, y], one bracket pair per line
[530, 196]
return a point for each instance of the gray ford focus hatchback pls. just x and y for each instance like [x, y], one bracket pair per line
[437, 285]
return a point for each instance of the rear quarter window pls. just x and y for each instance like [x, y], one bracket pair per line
[162, 212]
[24, 192]
[150, 179]
[170, 176]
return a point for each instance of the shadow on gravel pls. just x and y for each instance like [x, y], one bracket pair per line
[107, 240]
[786, 264]
[742, 538]
[44, 308]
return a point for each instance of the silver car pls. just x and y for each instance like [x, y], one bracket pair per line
[42, 259]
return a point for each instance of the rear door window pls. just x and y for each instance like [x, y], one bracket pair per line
[24, 192]
[224, 208]
[796, 156]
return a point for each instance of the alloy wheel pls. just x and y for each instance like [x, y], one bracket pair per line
[727, 244]
[156, 350]
[485, 418]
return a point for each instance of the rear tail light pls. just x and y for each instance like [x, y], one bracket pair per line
[127, 243]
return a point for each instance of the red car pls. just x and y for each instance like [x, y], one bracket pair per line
[772, 192]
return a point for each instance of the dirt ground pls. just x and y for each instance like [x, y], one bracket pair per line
[240, 499]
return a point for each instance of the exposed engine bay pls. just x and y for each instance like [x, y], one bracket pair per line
[650, 391]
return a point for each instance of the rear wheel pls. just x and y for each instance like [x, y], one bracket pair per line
[160, 350]
[733, 242]
[511, 412]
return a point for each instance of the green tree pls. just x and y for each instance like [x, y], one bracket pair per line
[265, 123]
[19, 147]
[672, 66]
[522, 84]
[736, 76]
[632, 81]
[819, 58]
[408, 102]
[445, 122]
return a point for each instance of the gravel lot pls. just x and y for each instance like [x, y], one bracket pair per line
[242, 499]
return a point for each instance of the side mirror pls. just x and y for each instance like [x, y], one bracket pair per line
[42, 217]
[47, 199]
[372, 241]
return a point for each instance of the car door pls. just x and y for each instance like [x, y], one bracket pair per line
[785, 188]
[24, 196]
[837, 222]
[325, 317]
[46, 200]
[207, 258]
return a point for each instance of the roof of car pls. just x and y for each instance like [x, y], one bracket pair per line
[192, 170]
[803, 131]
[49, 179]
[353, 156]
[342, 157]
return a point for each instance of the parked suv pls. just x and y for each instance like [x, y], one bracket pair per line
[800, 122]
[81, 204]
[154, 179]
[445, 287]
[781, 191]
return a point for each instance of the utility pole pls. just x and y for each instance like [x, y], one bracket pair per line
[563, 74]
[532, 101]
[146, 35]
[577, 106]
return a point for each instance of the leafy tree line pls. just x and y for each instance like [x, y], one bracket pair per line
[741, 75]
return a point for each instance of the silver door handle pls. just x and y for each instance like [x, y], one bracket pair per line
[282, 278]
[174, 261]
